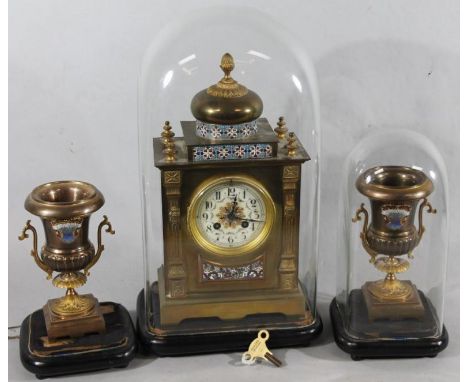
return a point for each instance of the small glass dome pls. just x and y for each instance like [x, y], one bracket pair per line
[392, 248]
[236, 134]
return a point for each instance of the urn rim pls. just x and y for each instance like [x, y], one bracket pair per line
[394, 183]
[64, 199]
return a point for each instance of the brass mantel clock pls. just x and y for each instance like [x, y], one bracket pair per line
[230, 210]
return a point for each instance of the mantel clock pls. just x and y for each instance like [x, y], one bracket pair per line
[230, 210]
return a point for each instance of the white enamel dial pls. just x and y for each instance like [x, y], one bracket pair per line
[230, 214]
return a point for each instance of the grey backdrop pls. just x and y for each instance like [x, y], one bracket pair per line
[73, 70]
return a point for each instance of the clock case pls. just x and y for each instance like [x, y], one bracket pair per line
[171, 75]
[229, 303]
[369, 321]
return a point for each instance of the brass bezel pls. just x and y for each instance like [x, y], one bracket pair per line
[203, 243]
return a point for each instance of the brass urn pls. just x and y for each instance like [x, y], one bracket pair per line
[394, 193]
[65, 208]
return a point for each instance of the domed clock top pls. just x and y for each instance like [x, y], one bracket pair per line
[226, 105]
[228, 127]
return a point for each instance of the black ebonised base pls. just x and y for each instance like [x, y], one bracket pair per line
[212, 336]
[385, 345]
[114, 348]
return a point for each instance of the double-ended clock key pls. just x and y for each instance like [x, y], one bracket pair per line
[258, 349]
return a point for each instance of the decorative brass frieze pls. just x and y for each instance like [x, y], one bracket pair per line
[291, 172]
[171, 177]
[216, 272]
[288, 281]
[175, 269]
[290, 248]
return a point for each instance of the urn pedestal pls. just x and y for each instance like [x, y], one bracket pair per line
[59, 339]
[393, 223]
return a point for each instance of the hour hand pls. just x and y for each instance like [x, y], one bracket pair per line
[253, 220]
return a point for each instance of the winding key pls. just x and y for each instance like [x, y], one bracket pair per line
[258, 349]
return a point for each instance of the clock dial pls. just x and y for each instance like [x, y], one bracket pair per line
[232, 213]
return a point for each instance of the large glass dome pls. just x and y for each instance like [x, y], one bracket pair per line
[182, 61]
[392, 248]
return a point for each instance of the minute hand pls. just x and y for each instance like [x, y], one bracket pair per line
[253, 220]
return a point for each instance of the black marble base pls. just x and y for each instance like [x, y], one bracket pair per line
[213, 335]
[114, 348]
[386, 338]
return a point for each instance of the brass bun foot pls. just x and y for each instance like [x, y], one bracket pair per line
[73, 316]
[402, 302]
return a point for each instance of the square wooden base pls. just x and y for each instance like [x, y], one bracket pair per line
[45, 358]
[74, 326]
[377, 309]
[359, 337]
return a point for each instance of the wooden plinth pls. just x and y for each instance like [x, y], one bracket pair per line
[115, 347]
[411, 307]
[212, 335]
[361, 338]
[73, 326]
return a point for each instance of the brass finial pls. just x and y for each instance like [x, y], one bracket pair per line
[227, 64]
[226, 102]
[292, 145]
[167, 133]
[281, 130]
[227, 87]
[168, 141]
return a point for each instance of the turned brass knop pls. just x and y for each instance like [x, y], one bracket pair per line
[281, 130]
[168, 141]
[291, 145]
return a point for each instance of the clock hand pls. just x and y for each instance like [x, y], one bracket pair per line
[232, 215]
[253, 220]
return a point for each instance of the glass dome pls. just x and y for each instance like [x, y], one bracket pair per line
[392, 248]
[207, 119]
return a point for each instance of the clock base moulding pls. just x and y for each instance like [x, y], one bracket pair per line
[211, 335]
[234, 305]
